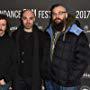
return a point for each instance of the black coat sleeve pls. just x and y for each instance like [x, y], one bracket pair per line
[12, 72]
[81, 58]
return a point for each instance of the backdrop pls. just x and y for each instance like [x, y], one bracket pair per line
[79, 8]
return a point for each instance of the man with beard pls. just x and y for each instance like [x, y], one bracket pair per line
[66, 52]
[28, 38]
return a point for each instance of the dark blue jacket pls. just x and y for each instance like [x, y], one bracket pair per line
[70, 56]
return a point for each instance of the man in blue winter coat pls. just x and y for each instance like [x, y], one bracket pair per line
[66, 51]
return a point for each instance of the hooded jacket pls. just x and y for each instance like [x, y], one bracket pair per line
[70, 57]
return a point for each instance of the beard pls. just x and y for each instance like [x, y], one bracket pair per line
[58, 24]
[27, 26]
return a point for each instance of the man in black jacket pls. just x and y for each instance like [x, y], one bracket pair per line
[66, 52]
[28, 38]
[8, 54]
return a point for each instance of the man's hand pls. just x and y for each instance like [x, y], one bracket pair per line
[10, 88]
[2, 82]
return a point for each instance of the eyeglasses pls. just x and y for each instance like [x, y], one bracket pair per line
[60, 13]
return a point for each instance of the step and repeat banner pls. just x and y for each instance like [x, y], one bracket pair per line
[79, 8]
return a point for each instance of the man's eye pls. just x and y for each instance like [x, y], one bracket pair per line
[3, 24]
[31, 18]
[24, 18]
[60, 13]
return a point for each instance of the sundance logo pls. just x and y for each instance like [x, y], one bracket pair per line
[85, 88]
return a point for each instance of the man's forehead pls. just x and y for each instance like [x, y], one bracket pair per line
[28, 13]
[1, 20]
[59, 8]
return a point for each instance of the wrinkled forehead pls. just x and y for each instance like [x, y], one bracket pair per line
[3, 21]
[28, 13]
[59, 9]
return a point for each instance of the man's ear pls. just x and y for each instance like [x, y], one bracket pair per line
[66, 15]
[34, 19]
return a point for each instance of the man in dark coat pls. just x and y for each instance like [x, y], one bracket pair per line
[66, 52]
[8, 55]
[28, 38]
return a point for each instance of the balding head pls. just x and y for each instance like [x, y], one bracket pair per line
[27, 11]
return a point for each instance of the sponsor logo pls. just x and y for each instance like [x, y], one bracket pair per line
[85, 87]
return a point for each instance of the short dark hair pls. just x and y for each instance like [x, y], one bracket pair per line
[2, 16]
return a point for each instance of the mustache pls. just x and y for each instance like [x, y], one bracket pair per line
[1, 30]
[57, 19]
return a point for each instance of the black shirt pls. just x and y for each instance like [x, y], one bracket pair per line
[26, 54]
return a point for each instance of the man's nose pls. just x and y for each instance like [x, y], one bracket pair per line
[28, 20]
[58, 16]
